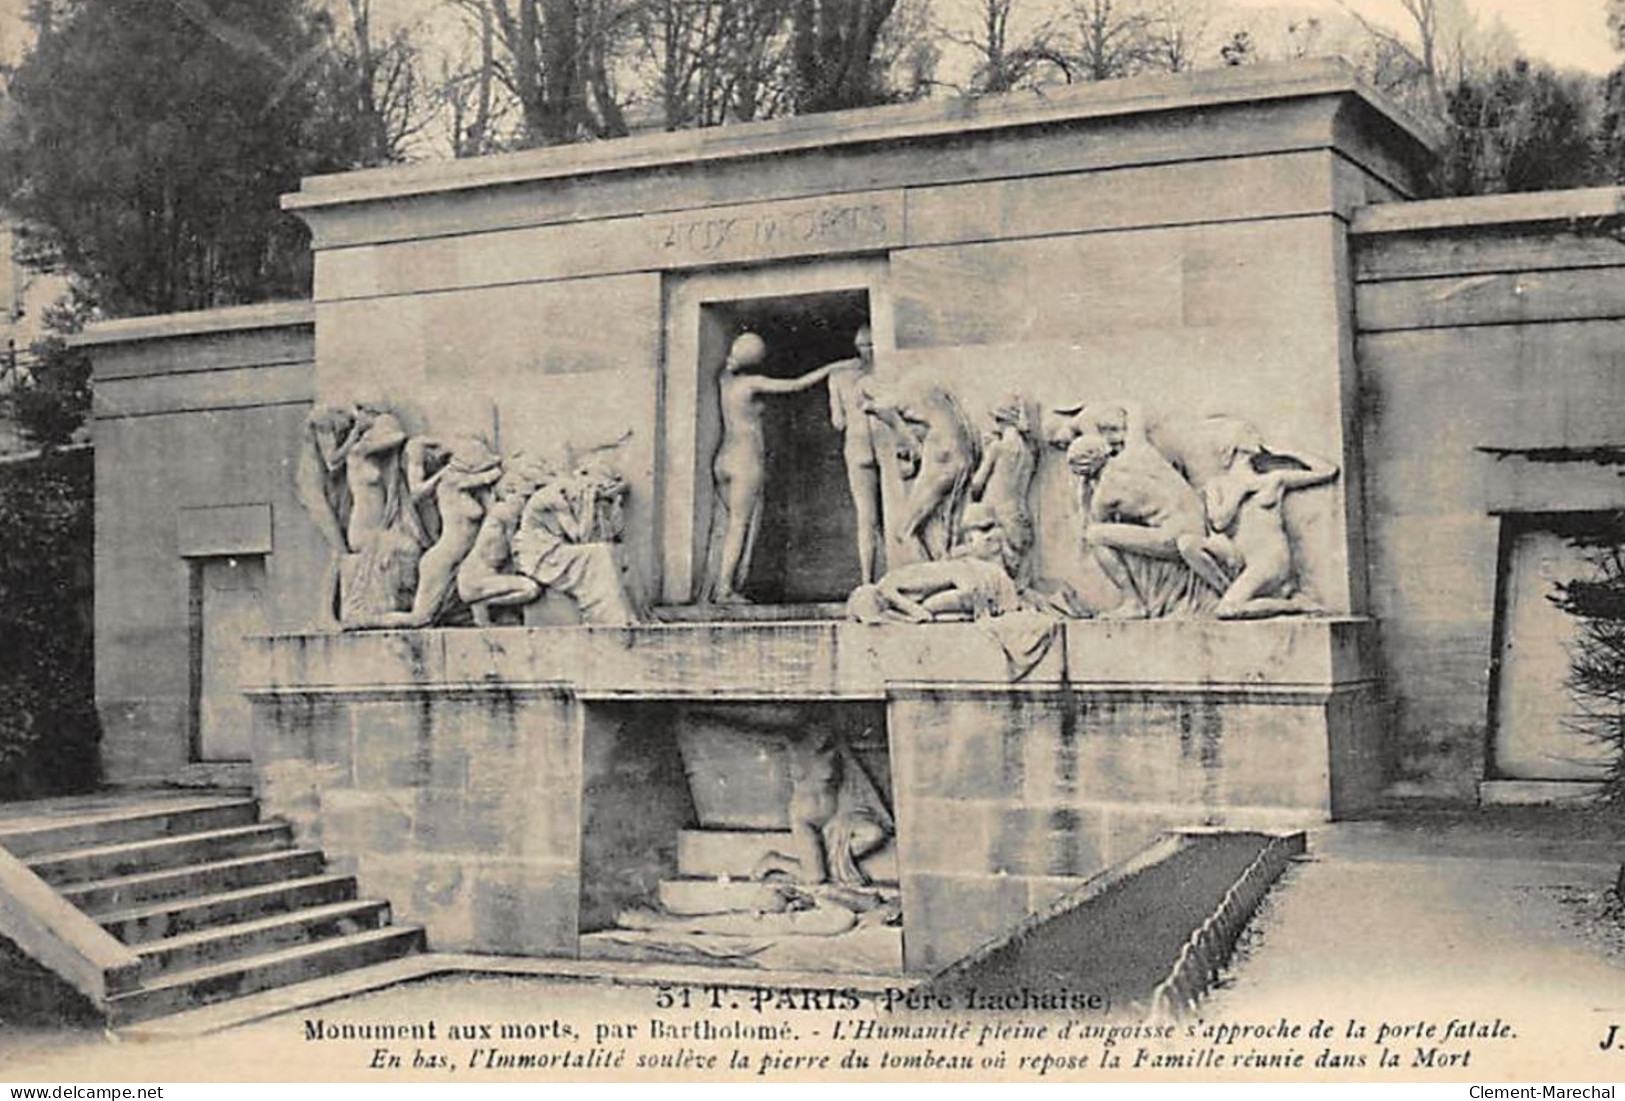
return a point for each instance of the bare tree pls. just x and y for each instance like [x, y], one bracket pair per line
[1007, 56]
[716, 61]
[1111, 39]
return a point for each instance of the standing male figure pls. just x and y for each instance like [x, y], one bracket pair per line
[847, 394]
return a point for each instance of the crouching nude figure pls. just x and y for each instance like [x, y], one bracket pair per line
[1244, 506]
[1136, 503]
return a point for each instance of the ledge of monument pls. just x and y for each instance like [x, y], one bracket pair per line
[819, 659]
[1143, 95]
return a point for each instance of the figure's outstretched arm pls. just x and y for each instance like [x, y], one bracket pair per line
[1317, 470]
[765, 385]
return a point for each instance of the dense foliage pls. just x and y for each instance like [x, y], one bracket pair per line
[1597, 658]
[148, 142]
[48, 728]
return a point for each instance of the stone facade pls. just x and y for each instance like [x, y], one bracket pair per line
[1229, 243]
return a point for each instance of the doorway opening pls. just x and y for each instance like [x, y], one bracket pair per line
[805, 551]
[1533, 711]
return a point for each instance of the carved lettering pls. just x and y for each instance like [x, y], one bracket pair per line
[775, 229]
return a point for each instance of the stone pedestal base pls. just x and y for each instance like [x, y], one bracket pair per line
[509, 787]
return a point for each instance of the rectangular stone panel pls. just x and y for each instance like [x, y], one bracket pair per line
[214, 531]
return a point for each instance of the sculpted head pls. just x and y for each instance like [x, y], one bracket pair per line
[472, 455]
[1010, 411]
[864, 344]
[1087, 455]
[335, 419]
[748, 350]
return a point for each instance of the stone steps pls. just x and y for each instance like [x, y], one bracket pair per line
[195, 987]
[214, 903]
[261, 935]
[105, 895]
[130, 858]
[175, 917]
[709, 854]
[114, 826]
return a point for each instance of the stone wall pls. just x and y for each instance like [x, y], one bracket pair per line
[1487, 327]
[196, 419]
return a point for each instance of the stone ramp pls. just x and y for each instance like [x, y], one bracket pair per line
[160, 904]
[1146, 935]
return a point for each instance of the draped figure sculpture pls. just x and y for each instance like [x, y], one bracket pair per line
[566, 541]
[739, 468]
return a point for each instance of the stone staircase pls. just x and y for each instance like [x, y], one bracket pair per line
[714, 868]
[214, 903]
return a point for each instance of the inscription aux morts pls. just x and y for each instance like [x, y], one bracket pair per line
[737, 233]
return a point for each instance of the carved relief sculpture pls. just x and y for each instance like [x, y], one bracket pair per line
[1137, 509]
[384, 533]
[458, 488]
[943, 455]
[971, 583]
[739, 468]
[835, 813]
[319, 485]
[1003, 481]
[568, 530]
[485, 579]
[1245, 509]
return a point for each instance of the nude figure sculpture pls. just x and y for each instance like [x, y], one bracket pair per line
[836, 816]
[973, 582]
[847, 393]
[458, 487]
[1135, 503]
[319, 485]
[739, 469]
[384, 533]
[485, 579]
[925, 415]
[1245, 510]
[1003, 481]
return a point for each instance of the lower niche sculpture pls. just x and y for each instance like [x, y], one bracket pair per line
[837, 817]
[503, 532]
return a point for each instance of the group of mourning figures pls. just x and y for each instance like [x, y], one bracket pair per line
[426, 531]
[1183, 518]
